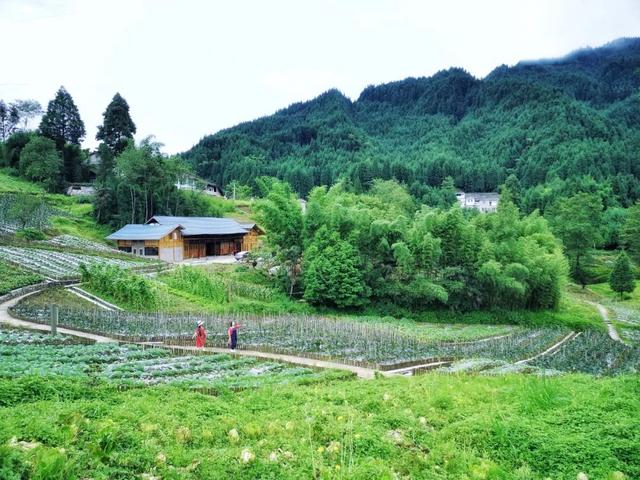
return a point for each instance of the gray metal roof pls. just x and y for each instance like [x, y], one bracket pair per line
[202, 225]
[482, 196]
[143, 232]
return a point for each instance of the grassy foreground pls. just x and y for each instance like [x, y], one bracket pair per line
[432, 427]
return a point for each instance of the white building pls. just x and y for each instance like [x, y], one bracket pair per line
[80, 189]
[484, 202]
[192, 183]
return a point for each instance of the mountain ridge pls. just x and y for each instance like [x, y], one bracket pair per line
[417, 130]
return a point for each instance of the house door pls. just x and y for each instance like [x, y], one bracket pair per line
[213, 249]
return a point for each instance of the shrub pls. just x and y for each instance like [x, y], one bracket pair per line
[31, 234]
[12, 277]
[198, 282]
[122, 285]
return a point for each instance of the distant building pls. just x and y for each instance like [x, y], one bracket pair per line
[94, 159]
[174, 239]
[484, 202]
[194, 184]
[80, 189]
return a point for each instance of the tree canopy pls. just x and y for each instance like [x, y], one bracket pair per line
[622, 279]
[61, 122]
[376, 248]
[117, 128]
[554, 128]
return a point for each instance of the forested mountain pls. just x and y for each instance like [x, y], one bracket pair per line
[560, 126]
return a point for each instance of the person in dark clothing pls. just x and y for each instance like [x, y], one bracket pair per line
[233, 335]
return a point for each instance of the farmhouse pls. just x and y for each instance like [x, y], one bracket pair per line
[484, 202]
[174, 239]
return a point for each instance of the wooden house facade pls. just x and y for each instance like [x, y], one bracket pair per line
[174, 239]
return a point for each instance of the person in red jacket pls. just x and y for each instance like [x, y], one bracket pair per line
[200, 335]
[233, 335]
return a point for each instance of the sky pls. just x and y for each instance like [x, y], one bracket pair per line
[189, 68]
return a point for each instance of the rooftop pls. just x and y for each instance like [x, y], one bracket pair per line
[143, 232]
[201, 225]
[482, 195]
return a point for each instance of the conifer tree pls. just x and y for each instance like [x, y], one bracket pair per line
[117, 127]
[61, 122]
[622, 279]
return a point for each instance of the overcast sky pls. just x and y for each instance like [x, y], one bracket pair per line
[189, 68]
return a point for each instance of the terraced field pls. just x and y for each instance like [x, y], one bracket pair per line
[55, 264]
[369, 345]
[28, 353]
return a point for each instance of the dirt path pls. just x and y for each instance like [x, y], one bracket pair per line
[552, 349]
[613, 333]
[7, 319]
[361, 372]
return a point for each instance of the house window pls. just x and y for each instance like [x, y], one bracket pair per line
[125, 249]
[151, 251]
[174, 235]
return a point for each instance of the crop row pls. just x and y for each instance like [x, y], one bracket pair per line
[13, 216]
[593, 352]
[28, 337]
[133, 365]
[351, 342]
[70, 241]
[54, 264]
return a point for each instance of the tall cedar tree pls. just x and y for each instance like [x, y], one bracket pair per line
[622, 279]
[117, 127]
[61, 122]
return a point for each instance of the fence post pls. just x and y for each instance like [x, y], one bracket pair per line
[54, 319]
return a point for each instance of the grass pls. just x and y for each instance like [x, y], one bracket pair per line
[433, 427]
[11, 184]
[58, 296]
[600, 265]
[572, 313]
[12, 277]
[77, 219]
[630, 300]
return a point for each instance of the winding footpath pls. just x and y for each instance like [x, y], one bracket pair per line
[613, 333]
[361, 372]
[7, 319]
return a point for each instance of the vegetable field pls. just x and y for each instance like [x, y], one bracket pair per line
[14, 215]
[55, 264]
[26, 353]
[12, 277]
[70, 241]
[593, 352]
[371, 345]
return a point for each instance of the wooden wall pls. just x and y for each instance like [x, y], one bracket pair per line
[174, 239]
[250, 240]
[194, 248]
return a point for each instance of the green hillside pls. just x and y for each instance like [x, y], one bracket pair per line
[559, 126]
